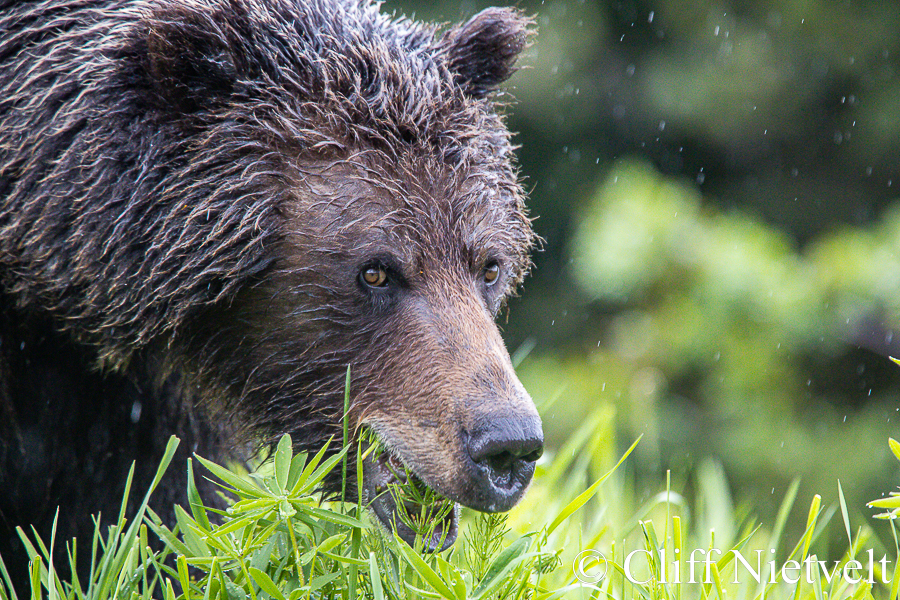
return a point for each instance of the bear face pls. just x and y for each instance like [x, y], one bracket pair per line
[237, 200]
[414, 282]
[414, 188]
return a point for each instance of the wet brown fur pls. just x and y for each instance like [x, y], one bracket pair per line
[188, 191]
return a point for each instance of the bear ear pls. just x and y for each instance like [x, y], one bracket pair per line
[190, 61]
[482, 52]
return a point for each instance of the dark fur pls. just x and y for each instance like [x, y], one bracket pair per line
[188, 191]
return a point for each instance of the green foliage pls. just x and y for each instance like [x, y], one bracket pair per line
[122, 563]
[892, 502]
[278, 541]
[711, 322]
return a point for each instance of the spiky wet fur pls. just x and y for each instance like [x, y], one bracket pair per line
[182, 187]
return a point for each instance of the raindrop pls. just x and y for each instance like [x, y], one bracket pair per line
[650, 16]
[716, 30]
[701, 177]
[868, 171]
[662, 125]
[629, 70]
[845, 418]
[136, 411]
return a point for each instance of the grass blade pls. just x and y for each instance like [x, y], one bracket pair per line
[425, 572]
[845, 516]
[502, 565]
[375, 576]
[197, 508]
[346, 434]
[586, 495]
[239, 485]
[265, 583]
[283, 454]
[7, 581]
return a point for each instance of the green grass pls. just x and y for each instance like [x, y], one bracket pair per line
[278, 540]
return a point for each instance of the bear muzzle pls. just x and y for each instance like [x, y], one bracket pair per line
[503, 452]
[496, 458]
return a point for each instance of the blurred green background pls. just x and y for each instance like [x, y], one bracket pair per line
[716, 185]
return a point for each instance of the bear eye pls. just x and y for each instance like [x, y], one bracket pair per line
[374, 276]
[491, 273]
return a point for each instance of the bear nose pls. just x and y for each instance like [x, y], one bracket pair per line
[504, 450]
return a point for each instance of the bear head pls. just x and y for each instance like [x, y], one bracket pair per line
[327, 187]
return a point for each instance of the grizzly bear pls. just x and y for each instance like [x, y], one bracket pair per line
[210, 209]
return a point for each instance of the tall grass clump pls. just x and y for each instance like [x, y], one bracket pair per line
[581, 533]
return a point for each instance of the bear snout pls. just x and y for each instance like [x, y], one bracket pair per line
[503, 451]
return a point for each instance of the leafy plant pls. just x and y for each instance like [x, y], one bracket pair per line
[279, 540]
